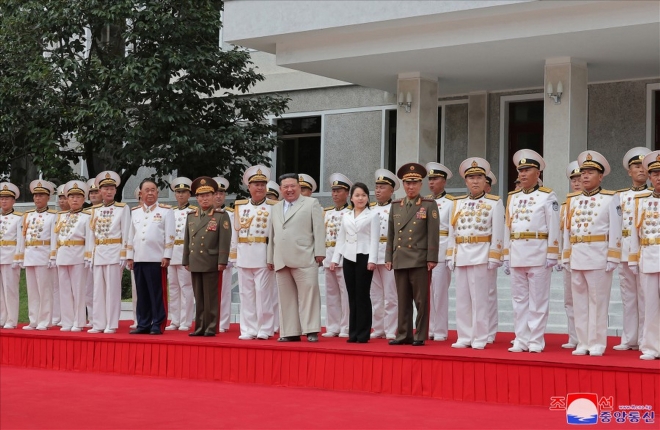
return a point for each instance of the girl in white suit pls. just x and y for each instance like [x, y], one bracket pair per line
[357, 243]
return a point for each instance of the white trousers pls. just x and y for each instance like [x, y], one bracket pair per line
[568, 307]
[530, 292]
[181, 297]
[57, 316]
[107, 296]
[225, 298]
[255, 287]
[651, 337]
[72, 294]
[591, 300]
[336, 301]
[439, 318]
[9, 279]
[89, 294]
[493, 319]
[472, 304]
[632, 298]
[383, 301]
[40, 281]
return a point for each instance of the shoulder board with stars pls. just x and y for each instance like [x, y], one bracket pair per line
[229, 210]
[219, 211]
[120, 205]
[492, 197]
[164, 206]
[545, 190]
[329, 208]
[426, 199]
[272, 202]
[643, 195]
[53, 211]
[515, 192]
[372, 204]
[430, 196]
[241, 202]
[135, 208]
[574, 193]
[18, 213]
[608, 192]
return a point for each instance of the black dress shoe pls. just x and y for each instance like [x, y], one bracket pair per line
[400, 342]
[289, 339]
[139, 331]
[312, 337]
[351, 340]
[418, 343]
[207, 334]
[155, 332]
[196, 333]
[362, 341]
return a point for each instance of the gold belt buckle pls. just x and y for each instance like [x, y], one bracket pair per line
[578, 239]
[516, 235]
[102, 241]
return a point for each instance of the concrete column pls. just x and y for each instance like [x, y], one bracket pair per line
[417, 130]
[477, 124]
[564, 124]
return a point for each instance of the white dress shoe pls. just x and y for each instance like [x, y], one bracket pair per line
[580, 352]
[343, 334]
[329, 334]
[390, 336]
[596, 354]
[478, 346]
[624, 347]
[246, 337]
[375, 335]
[185, 328]
[535, 351]
[569, 345]
[133, 326]
[223, 330]
[517, 349]
[28, 327]
[459, 345]
[171, 327]
[89, 325]
[263, 336]
[65, 329]
[513, 341]
[439, 338]
[76, 329]
[93, 331]
[109, 331]
[647, 357]
[9, 326]
[42, 328]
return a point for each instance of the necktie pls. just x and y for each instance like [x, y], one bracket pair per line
[287, 205]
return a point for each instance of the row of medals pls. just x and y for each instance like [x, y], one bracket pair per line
[35, 227]
[474, 211]
[103, 223]
[333, 224]
[181, 217]
[3, 226]
[261, 220]
[523, 209]
[652, 218]
[583, 214]
[68, 224]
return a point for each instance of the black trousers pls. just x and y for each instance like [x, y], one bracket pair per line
[358, 286]
[207, 308]
[149, 285]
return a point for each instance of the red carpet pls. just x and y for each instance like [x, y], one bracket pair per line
[33, 398]
[492, 375]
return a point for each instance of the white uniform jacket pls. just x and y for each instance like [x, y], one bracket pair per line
[445, 204]
[74, 237]
[645, 240]
[476, 231]
[111, 225]
[180, 216]
[592, 234]
[531, 234]
[358, 235]
[151, 237]
[11, 237]
[39, 237]
[332, 220]
[251, 228]
[627, 200]
[383, 212]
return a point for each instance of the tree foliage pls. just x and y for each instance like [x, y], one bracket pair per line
[126, 84]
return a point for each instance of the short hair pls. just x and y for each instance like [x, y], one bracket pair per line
[145, 180]
[287, 176]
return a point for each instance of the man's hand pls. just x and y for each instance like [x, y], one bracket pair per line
[550, 263]
[221, 267]
[430, 265]
[187, 268]
[271, 266]
[332, 267]
[51, 264]
[507, 268]
[492, 265]
[371, 267]
[129, 264]
[15, 265]
[559, 267]
[634, 269]
[319, 259]
[610, 266]
[122, 263]
[388, 266]
[165, 262]
[451, 265]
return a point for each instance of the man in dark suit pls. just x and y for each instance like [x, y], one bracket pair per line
[412, 251]
[205, 254]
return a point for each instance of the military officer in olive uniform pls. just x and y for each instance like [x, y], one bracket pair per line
[412, 251]
[205, 253]
[632, 293]
[592, 250]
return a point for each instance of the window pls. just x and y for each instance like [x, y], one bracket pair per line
[525, 131]
[390, 140]
[438, 153]
[656, 144]
[299, 147]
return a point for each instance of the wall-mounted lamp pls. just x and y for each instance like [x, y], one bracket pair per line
[555, 96]
[408, 102]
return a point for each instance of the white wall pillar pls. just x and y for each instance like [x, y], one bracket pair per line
[477, 124]
[564, 124]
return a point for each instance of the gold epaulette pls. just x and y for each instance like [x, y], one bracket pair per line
[430, 196]
[622, 190]
[62, 212]
[461, 197]
[97, 206]
[515, 192]
[428, 199]
[241, 202]
[229, 209]
[573, 194]
[18, 213]
[272, 202]
[193, 207]
[329, 208]
[136, 207]
[53, 211]
[642, 195]
[492, 197]
[220, 210]
[29, 211]
[608, 192]
[450, 197]
[349, 207]
[87, 211]
[545, 189]
[120, 204]
[372, 204]
[164, 206]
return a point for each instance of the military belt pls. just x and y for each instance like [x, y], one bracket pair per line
[382, 239]
[8, 243]
[178, 241]
[444, 232]
[37, 243]
[107, 241]
[528, 235]
[473, 239]
[588, 239]
[252, 239]
[647, 241]
[625, 233]
[70, 243]
[330, 244]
